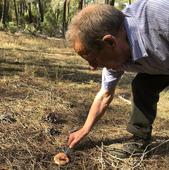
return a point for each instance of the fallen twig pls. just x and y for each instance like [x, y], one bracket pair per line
[125, 100]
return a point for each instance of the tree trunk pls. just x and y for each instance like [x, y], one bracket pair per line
[20, 11]
[57, 16]
[80, 4]
[68, 13]
[129, 1]
[7, 11]
[1, 9]
[4, 12]
[112, 2]
[30, 12]
[41, 10]
[64, 18]
[16, 12]
[106, 1]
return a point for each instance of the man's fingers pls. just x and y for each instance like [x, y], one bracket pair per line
[72, 144]
[70, 140]
[75, 137]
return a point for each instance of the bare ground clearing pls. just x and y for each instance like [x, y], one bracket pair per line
[45, 92]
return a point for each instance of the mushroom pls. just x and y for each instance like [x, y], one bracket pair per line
[61, 159]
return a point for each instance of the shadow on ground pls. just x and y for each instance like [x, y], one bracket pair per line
[160, 144]
[48, 69]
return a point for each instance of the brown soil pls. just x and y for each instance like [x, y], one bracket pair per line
[46, 92]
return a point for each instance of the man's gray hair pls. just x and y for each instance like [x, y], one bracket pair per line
[93, 22]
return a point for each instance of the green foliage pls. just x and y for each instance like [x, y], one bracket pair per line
[88, 1]
[49, 26]
[56, 4]
[12, 27]
[30, 28]
[121, 4]
[29, 16]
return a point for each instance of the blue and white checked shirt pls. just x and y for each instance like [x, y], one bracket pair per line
[147, 27]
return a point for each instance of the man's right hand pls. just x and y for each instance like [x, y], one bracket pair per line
[76, 137]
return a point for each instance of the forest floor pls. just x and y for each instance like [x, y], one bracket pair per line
[46, 91]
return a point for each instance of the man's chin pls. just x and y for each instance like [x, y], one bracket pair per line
[113, 67]
[99, 67]
[108, 67]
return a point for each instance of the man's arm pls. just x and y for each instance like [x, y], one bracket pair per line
[98, 108]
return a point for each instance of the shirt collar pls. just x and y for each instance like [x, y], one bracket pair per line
[136, 44]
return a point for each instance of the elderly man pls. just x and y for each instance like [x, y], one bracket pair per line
[135, 40]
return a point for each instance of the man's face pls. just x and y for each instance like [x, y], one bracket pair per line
[106, 55]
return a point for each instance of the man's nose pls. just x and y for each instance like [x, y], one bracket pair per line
[92, 68]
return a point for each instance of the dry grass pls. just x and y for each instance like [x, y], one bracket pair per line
[46, 91]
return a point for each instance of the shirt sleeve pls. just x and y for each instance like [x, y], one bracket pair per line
[110, 78]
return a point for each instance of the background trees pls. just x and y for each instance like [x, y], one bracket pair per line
[49, 17]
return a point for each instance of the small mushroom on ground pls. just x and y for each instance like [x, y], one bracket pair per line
[61, 159]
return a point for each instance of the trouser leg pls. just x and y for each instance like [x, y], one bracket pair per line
[145, 90]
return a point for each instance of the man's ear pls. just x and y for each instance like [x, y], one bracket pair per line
[110, 39]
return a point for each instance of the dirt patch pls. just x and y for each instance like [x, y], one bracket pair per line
[48, 91]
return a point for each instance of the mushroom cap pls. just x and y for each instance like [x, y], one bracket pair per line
[61, 159]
